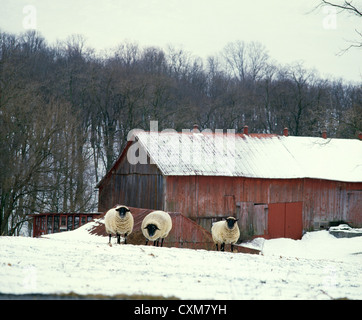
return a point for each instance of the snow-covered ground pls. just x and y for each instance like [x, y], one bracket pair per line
[319, 266]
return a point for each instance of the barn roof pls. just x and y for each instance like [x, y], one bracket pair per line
[254, 155]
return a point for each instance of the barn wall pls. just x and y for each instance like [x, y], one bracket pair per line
[137, 185]
[205, 196]
[207, 199]
[325, 201]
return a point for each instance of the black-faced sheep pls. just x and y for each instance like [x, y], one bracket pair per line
[155, 226]
[119, 221]
[225, 232]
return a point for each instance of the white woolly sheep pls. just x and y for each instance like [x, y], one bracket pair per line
[119, 221]
[225, 232]
[155, 226]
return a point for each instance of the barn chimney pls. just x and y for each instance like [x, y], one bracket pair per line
[360, 136]
[324, 134]
[196, 128]
[285, 132]
[246, 129]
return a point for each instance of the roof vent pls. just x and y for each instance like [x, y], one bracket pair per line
[246, 129]
[285, 132]
[324, 134]
[196, 129]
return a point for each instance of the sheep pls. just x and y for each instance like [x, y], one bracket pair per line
[155, 226]
[226, 231]
[119, 220]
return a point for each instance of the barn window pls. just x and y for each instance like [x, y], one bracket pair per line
[83, 220]
[89, 218]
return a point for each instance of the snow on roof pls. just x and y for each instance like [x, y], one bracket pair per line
[254, 155]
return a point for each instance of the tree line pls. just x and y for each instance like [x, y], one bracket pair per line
[65, 111]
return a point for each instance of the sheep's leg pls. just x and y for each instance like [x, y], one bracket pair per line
[110, 238]
[232, 247]
[162, 242]
[223, 246]
[146, 242]
[217, 247]
[125, 238]
[118, 238]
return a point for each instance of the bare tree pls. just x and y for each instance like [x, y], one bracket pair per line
[347, 7]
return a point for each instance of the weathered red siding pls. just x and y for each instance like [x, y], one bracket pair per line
[325, 201]
[206, 199]
[135, 185]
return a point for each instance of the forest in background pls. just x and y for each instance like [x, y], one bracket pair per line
[65, 110]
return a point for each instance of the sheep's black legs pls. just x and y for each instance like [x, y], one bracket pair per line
[125, 238]
[110, 238]
[118, 238]
[223, 247]
[232, 248]
[146, 242]
[162, 242]
[156, 243]
[217, 247]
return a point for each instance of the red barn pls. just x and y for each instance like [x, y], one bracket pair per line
[278, 186]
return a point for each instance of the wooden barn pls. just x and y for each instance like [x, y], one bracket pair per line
[278, 186]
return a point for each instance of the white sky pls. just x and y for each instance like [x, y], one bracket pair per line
[202, 27]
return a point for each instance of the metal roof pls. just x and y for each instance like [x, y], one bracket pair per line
[254, 155]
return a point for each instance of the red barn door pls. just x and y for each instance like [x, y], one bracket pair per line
[285, 220]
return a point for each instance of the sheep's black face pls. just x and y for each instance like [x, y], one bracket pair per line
[122, 211]
[230, 222]
[151, 228]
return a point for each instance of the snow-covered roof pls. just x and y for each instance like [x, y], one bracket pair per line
[255, 155]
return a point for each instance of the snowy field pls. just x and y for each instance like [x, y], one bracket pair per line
[319, 266]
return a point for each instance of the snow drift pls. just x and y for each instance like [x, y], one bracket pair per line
[319, 266]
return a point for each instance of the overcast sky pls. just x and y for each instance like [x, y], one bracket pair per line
[202, 27]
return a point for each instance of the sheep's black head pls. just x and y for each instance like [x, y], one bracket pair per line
[122, 211]
[151, 228]
[231, 221]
